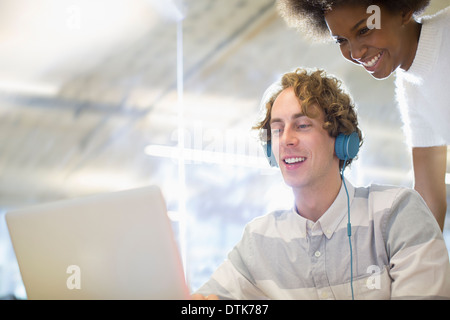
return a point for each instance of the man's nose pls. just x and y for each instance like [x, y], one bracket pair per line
[289, 138]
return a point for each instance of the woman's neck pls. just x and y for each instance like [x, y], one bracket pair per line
[411, 44]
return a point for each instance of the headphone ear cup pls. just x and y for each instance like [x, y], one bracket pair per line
[347, 146]
[269, 154]
[353, 145]
[339, 146]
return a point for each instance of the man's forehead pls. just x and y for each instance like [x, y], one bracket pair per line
[293, 117]
[314, 111]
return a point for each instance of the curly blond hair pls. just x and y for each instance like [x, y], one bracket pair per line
[308, 16]
[315, 88]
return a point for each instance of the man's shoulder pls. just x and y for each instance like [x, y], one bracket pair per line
[382, 197]
[268, 220]
[383, 190]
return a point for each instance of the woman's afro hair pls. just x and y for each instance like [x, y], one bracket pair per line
[307, 16]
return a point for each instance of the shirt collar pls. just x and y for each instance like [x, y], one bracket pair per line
[331, 219]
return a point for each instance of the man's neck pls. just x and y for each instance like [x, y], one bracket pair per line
[313, 201]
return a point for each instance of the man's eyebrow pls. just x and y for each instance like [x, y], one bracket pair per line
[295, 116]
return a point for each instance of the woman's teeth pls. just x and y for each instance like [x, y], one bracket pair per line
[372, 62]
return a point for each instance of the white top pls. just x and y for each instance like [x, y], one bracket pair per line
[423, 92]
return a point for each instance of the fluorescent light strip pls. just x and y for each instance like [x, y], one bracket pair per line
[201, 156]
[40, 89]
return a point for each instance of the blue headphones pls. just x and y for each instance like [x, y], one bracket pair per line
[267, 147]
[346, 148]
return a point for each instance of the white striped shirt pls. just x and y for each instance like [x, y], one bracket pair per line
[398, 252]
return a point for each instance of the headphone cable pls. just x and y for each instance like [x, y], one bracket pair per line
[349, 229]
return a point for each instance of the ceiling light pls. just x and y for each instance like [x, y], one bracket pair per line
[203, 156]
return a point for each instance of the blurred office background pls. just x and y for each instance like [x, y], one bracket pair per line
[99, 96]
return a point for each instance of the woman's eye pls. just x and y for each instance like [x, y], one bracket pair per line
[364, 30]
[340, 41]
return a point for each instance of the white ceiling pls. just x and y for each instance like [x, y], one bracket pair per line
[87, 86]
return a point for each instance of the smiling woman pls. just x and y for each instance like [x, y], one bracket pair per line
[308, 16]
[412, 47]
[380, 51]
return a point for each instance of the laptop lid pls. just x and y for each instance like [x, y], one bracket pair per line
[118, 245]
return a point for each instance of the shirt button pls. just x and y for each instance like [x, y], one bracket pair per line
[317, 254]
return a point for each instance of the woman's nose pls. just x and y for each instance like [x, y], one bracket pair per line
[357, 50]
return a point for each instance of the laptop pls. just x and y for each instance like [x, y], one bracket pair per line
[118, 245]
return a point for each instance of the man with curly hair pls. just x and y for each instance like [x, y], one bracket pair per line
[338, 241]
[416, 50]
